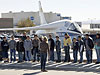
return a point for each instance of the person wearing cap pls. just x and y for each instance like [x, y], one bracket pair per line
[80, 48]
[75, 49]
[97, 47]
[89, 46]
[67, 43]
[35, 50]
[44, 49]
[58, 48]
[28, 47]
[12, 46]
[52, 45]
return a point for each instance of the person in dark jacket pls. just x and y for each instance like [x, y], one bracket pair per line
[12, 46]
[75, 49]
[81, 48]
[35, 49]
[0, 51]
[58, 49]
[24, 37]
[5, 48]
[51, 44]
[44, 48]
[20, 49]
[89, 46]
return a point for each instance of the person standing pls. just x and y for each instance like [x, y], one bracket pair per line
[89, 46]
[12, 46]
[67, 43]
[20, 49]
[75, 49]
[81, 48]
[51, 44]
[0, 51]
[5, 48]
[58, 49]
[44, 48]
[97, 47]
[24, 37]
[40, 41]
[28, 47]
[35, 49]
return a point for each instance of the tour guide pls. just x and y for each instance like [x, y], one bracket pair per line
[44, 48]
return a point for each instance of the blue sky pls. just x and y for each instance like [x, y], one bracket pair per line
[78, 9]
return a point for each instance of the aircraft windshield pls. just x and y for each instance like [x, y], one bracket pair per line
[71, 27]
[74, 27]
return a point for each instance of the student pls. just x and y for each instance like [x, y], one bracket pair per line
[12, 46]
[58, 49]
[28, 47]
[20, 49]
[51, 44]
[0, 51]
[81, 48]
[67, 43]
[5, 48]
[75, 49]
[24, 37]
[40, 41]
[97, 47]
[35, 50]
[44, 48]
[89, 46]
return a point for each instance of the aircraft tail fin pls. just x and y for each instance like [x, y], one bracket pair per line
[41, 15]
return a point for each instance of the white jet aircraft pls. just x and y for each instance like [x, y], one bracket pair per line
[58, 27]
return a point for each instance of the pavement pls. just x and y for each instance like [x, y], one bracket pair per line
[38, 72]
[92, 69]
[33, 68]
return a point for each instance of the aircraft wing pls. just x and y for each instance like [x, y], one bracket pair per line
[41, 27]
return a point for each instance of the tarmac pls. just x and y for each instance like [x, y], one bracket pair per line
[83, 67]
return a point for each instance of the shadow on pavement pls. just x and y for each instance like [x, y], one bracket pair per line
[54, 66]
[35, 73]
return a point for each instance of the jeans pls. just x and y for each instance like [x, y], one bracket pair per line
[98, 55]
[12, 54]
[28, 55]
[20, 55]
[43, 60]
[81, 56]
[35, 54]
[75, 54]
[52, 55]
[89, 56]
[58, 55]
[67, 53]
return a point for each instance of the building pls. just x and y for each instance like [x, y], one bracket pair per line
[91, 27]
[34, 16]
[6, 22]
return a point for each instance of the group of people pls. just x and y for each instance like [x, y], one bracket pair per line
[38, 49]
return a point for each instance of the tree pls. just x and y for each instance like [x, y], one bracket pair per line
[25, 23]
